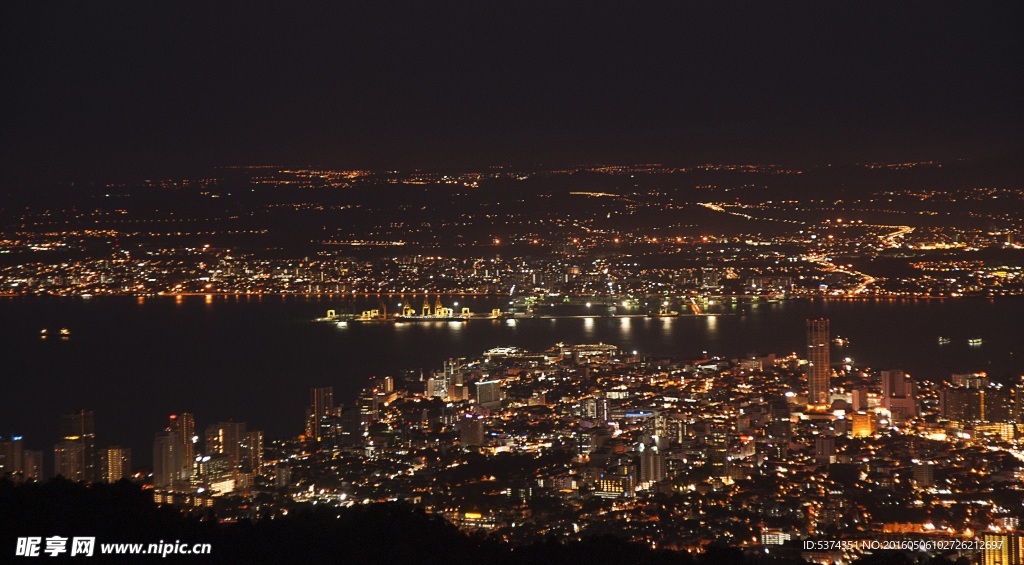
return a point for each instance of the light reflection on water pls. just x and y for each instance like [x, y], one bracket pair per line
[712, 325]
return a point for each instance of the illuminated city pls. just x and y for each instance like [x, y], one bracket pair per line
[506, 284]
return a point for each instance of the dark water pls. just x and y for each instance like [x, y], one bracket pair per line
[254, 359]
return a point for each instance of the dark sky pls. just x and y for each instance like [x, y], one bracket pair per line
[100, 88]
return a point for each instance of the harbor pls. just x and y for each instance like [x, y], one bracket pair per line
[534, 307]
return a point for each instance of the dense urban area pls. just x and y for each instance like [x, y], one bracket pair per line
[785, 456]
[782, 455]
[618, 231]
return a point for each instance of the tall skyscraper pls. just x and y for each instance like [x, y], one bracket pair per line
[167, 458]
[652, 463]
[819, 363]
[185, 426]
[1017, 401]
[75, 455]
[252, 451]
[69, 460]
[320, 417]
[117, 464]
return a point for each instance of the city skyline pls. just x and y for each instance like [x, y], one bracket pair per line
[695, 283]
[773, 394]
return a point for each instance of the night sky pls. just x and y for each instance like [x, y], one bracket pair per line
[97, 88]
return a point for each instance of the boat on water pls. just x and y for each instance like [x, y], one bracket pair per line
[944, 340]
[374, 315]
[664, 311]
[439, 313]
[431, 318]
[430, 313]
[974, 341]
[335, 317]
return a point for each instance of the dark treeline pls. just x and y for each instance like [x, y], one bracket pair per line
[379, 533]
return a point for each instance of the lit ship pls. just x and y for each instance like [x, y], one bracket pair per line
[438, 313]
[435, 313]
[664, 312]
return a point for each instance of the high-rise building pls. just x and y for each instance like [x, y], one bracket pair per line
[988, 403]
[75, 455]
[960, 403]
[167, 459]
[320, 420]
[863, 424]
[69, 460]
[924, 474]
[825, 449]
[185, 426]
[602, 408]
[835, 510]
[252, 451]
[117, 464]
[898, 395]
[351, 425]
[859, 399]
[368, 409]
[717, 450]
[226, 438]
[969, 380]
[12, 455]
[471, 431]
[652, 463]
[1017, 401]
[895, 383]
[17, 463]
[437, 386]
[819, 362]
[282, 476]
[488, 393]
[996, 403]
[215, 473]
[32, 463]
[1003, 549]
